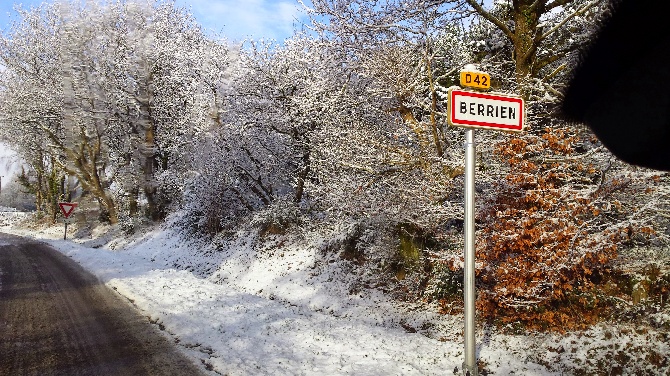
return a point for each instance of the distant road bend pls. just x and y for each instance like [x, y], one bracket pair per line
[57, 319]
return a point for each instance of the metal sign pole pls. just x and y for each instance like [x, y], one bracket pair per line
[470, 363]
[65, 234]
[476, 109]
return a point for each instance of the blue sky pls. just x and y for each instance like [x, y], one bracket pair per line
[235, 19]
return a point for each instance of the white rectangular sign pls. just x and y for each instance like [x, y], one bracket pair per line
[485, 110]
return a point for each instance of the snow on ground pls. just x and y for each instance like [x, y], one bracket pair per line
[238, 311]
[9, 216]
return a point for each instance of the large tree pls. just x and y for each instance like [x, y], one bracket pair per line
[49, 103]
[541, 32]
[118, 89]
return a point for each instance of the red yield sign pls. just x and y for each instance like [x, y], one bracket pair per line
[67, 208]
[486, 110]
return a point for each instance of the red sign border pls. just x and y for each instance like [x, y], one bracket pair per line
[67, 213]
[481, 124]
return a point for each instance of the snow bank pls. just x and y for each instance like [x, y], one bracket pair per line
[239, 307]
[239, 333]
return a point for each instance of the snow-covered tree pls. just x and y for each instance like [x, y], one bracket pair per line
[543, 193]
[32, 101]
[165, 74]
[277, 101]
[118, 89]
[541, 35]
[404, 56]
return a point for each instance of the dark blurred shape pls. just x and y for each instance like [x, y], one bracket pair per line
[620, 89]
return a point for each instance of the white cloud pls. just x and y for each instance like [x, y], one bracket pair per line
[237, 20]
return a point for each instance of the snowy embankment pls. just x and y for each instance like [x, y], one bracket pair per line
[9, 217]
[238, 311]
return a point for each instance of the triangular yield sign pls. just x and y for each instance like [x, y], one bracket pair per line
[67, 208]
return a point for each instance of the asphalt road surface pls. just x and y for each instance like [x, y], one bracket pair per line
[58, 319]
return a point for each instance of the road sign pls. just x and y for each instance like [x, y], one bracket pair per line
[477, 80]
[67, 208]
[485, 110]
[471, 109]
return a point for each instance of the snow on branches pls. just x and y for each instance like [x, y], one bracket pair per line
[111, 94]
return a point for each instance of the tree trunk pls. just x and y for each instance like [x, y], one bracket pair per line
[111, 209]
[133, 205]
[147, 150]
[39, 191]
[302, 176]
[526, 17]
[150, 188]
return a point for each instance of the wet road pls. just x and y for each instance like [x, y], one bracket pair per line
[57, 319]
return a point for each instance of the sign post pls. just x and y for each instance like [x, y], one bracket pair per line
[472, 110]
[470, 363]
[66, 208]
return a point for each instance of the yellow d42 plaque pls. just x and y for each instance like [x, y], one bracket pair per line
[478, 80]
